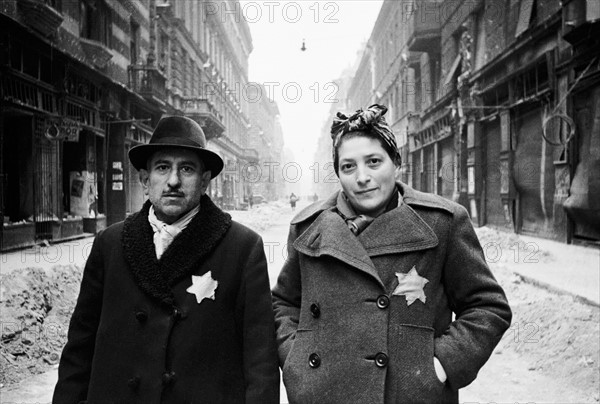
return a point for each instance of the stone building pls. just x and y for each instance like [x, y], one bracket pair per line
[495, 104]
[83, 81]
[266, 137]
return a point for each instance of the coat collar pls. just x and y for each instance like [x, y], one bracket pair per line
[329, 235]
[188, 249]
[400, 230]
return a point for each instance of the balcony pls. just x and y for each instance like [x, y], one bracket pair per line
[39, 15]
[202, 111]
[149, 82]
[581, 20]
[97, 53]
[424, 26]
[251, 155]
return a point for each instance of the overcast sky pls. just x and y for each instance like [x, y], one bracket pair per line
[301, 81]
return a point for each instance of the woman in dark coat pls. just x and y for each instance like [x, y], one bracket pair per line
[364, 302]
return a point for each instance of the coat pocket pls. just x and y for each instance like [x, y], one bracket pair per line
[412, 372]
[295, 375]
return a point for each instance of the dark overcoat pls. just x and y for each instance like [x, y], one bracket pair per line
[137, 335]
[348, 332]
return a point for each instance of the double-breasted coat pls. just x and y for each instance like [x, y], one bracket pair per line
[138, 336]
[359, 319]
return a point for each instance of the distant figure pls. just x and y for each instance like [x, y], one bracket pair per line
[315, 197]
[293, 200]
[250, 200]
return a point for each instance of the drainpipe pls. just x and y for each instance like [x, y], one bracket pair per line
[152, 51]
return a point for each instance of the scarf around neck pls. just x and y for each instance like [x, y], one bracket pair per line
[164, 234]
[358, 222]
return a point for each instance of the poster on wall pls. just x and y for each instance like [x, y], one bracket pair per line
[83, 193]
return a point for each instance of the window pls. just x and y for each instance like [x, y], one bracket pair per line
[163, 56]
[95, 21]
[134, 42]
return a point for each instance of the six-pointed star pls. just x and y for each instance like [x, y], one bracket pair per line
[203, 287]
[411, 285]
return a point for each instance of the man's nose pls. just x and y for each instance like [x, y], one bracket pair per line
[174, 181]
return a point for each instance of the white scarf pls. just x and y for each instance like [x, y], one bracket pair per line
[165, 233]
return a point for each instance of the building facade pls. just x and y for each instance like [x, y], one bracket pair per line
[266, 137]
[495, 105]
[83, 81]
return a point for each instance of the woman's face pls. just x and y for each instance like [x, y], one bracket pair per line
[367, 174]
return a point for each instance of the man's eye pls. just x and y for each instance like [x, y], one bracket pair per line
[187, 170]
[161, 168]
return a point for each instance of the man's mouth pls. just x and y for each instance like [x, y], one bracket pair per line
[173, 195]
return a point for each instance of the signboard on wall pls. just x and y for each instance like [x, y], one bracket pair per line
[117, 176]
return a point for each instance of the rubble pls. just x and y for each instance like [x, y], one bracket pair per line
[36, 306]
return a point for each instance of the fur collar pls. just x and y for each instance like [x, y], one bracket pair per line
[156, 277]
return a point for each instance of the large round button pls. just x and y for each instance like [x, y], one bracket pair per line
[141, 316]
[383, 302]
[315, 310]
[314, 360]
[168, 378]
[134, 382]
[381, 360]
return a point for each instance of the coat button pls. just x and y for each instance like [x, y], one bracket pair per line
[141, 316]
[383, 302]
[315, 310]
[168, 378]
[381, 360]
[134, 382]
[178, 314]
[314, 360]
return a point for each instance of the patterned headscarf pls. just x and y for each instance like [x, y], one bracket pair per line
[369, 121]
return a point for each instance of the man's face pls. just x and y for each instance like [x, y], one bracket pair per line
[367, 174]
[174, 181]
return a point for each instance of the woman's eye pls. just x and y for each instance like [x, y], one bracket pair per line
[346, 167]
[374, 161]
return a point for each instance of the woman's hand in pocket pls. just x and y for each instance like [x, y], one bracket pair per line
[439, 370]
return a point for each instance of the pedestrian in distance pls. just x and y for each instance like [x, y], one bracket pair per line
[293, 200]
[174, 305]
[364, 303]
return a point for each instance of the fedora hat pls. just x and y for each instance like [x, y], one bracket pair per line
[180, 132]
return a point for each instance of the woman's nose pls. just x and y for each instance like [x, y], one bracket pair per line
[362, 175]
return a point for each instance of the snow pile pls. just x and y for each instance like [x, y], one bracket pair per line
[36, 306]
[504, 247]
[261, 216]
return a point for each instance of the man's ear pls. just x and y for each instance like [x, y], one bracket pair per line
[206, 177]
[144, 179]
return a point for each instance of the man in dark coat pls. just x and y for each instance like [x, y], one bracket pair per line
[174, 305]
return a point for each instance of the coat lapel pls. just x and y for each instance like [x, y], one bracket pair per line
[400, 230]
[186, 252]
[329, 235]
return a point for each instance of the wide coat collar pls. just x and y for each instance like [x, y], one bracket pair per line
[156, 277]
[398, 231]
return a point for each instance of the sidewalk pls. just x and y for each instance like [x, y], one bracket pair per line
[569, 268]
[562, 268]
[73, 252]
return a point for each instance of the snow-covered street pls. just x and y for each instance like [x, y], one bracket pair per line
[550, 353]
